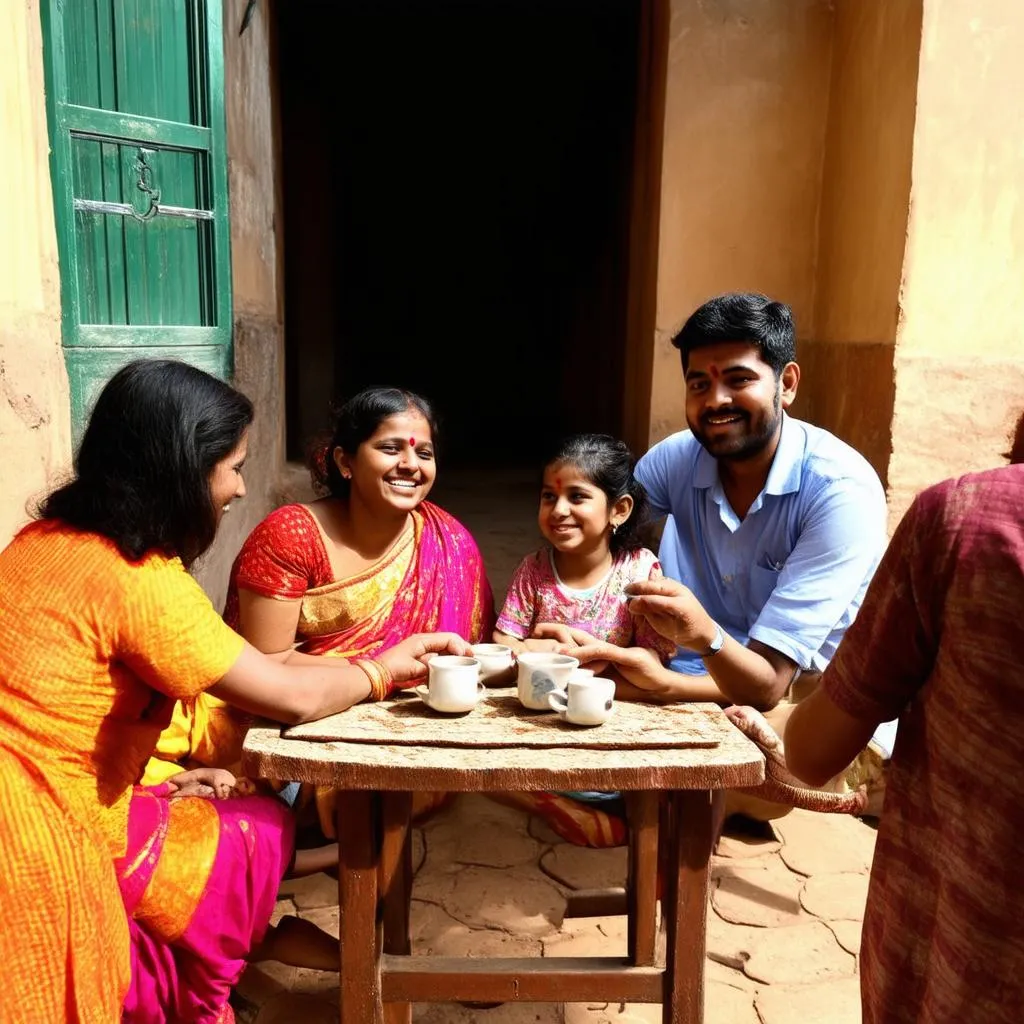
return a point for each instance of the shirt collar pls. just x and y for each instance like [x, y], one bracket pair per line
[788, 464]
[786, 469]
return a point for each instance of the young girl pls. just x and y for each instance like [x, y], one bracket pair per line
[591, 512]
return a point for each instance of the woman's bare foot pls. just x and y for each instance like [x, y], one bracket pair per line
[309, 862]
[298, 943]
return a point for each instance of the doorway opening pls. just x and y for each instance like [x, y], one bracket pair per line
[457, 180]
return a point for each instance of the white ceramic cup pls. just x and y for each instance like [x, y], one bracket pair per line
[495, 659]
[453, 683]
[586, 701]
[539, 674]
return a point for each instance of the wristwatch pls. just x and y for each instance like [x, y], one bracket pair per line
[716, 644]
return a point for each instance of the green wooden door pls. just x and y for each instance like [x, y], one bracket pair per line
[135, 101]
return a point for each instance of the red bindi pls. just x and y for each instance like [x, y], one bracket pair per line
[713, 370]
[412, 442]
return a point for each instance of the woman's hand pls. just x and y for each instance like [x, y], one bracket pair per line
[407, 661]
[202, 782]
[673, 611]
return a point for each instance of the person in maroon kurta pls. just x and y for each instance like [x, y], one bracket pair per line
[938, 643]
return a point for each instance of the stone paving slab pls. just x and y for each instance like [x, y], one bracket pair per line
[493, 882]
[839, 897]
[762, 892]
[815, 844]
[833, 1002]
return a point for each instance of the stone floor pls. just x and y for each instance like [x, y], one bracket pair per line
[783, 924]
[784, 920]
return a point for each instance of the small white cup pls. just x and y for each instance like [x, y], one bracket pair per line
[586, 702]
[453, 683]
[495, 660]
[539, 674]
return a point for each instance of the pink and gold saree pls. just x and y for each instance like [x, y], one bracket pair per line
[199, 880]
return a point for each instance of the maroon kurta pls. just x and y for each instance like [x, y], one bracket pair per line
[939, 643]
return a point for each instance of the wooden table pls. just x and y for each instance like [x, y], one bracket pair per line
[672, 795]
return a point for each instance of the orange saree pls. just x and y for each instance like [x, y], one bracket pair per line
[93, 651]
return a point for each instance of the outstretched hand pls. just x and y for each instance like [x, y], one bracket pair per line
[673, 611]
[407, 661]
[637, 665]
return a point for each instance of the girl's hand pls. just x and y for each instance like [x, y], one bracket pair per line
[203, 782]
[556, 631]
[407, 661]
[637, 665]
[545, 646]
[567, 636]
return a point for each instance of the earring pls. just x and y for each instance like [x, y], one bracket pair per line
[615, 527]
[346, 474]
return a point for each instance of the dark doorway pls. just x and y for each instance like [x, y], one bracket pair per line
[456, 199]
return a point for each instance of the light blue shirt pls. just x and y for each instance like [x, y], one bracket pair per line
[793, 572]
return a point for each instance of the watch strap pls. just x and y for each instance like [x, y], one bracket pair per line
[717, 642]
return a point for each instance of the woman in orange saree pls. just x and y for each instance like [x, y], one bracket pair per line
[128, 905]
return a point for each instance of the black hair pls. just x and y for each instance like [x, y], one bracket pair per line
[142, 471]
[354, 423]
[607, 463]
[741, 316]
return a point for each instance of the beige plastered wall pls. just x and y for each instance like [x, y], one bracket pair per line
[35, 429]
[847, 360]
[746, 101]
[960, 353]
[256, 276]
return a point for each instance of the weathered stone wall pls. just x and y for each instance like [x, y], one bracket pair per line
[847, 385]
[745, 120]
[960, 350]
[256, 275]
[35, 425]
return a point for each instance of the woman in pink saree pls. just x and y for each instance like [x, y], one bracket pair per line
[349, 575]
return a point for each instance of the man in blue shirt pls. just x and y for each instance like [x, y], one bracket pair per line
[775, 526]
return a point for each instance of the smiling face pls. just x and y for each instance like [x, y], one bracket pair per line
[734, 401]
[393, 470]
[226, 481]
[575, 515]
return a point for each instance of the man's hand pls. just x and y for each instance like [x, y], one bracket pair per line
[407, 661]
[637, 665]
[672, 610]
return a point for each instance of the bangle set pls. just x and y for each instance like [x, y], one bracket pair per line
[381, 680]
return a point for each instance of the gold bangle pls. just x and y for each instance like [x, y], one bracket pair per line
[380, 678]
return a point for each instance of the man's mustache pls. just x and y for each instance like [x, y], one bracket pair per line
[706, 417]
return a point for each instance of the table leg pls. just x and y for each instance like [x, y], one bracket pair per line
[642, 882]
[689, 844]
[358, 865]
[395, 883]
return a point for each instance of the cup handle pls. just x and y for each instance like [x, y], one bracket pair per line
[423, 692]
[480, 687]
[558, 701]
